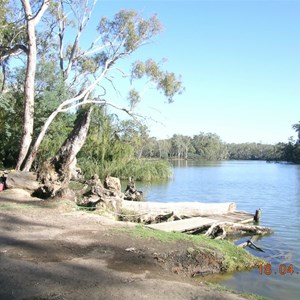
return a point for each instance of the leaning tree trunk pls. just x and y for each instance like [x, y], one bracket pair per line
[55, 174]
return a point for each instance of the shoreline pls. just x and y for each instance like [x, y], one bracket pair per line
[51, 250]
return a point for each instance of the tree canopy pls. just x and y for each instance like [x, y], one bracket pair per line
[61, 73]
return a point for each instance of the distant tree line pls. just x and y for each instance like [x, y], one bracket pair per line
[120, 147]
[209, 146]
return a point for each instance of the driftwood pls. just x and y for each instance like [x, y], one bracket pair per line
[180, 210]
[144, 218]
[224, 229]
[21, 180]
[250, 244]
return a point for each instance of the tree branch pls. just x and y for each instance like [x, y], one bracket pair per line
[40, 12]
[6, 52]
[82, 24]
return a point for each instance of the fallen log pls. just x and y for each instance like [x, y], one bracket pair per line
[145, 218]
[178, 210]
[21, 180]
[221, 230]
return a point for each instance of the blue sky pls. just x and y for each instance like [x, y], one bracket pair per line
[239, 61]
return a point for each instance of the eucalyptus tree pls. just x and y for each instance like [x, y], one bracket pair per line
[134, 133]
[85, 69]
[296, 127]
[178, 146]
[31, 20]
[209, 146]
[164, 148]
[12, 36]
[119, 39]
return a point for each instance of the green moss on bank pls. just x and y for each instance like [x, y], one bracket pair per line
[235, 258]
[250, 296]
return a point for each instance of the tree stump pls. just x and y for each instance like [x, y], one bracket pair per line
[55, 173]
[131, 193]
[257, 215]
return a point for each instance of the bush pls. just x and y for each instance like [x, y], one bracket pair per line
[145, 170]
[140, 170]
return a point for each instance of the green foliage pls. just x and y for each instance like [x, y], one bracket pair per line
[289, 151]
[142, 170]
[103, 152]
[296, 127]
[164, 148]
[166, 82]
[55, 137]
[180, 146]
[209, 146]
[51, 90]
[135, 134]
[10, 32]
[106, 152]
[128, 29]
[254, 151]
[11, 104]
[235, 258]
[110, 150]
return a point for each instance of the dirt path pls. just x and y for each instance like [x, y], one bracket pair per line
[54, 252]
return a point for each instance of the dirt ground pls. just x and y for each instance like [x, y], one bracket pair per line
[49, 250]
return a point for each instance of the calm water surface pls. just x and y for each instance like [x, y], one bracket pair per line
[275, 188]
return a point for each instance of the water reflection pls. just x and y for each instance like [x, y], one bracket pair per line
[275, 188]
[297, 191]
[194, 163]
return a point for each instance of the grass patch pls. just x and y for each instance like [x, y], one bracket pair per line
[235, 258]
[61, 204]
[76, 186]
[16, 206]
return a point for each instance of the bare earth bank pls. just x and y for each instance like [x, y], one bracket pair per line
[50, 251]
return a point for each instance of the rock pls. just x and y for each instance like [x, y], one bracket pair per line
[134, 195]
[22, 180]
[94, 181]
[99, 196]
[46, 191]
[112, 184]
[66, 194]
[131, 249]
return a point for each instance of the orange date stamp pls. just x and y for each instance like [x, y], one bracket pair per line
[282, 269]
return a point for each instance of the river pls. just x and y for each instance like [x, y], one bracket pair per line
[274, 188]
